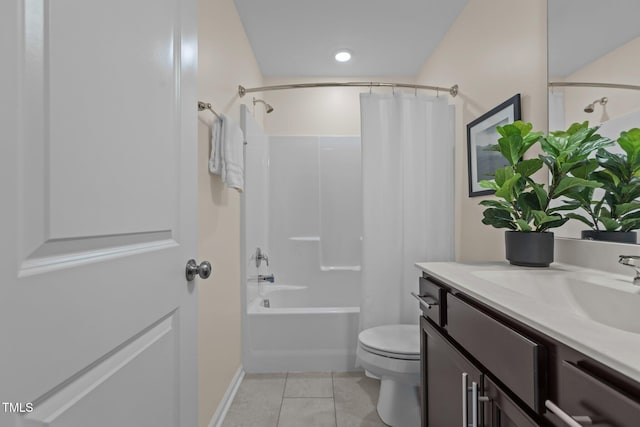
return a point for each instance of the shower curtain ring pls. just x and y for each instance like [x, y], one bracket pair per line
[415, 91]
[437, 93]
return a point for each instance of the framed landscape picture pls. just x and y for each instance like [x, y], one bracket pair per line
[482, 134]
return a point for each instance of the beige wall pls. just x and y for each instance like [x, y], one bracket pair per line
[225, 60]
[318, 111]
[495, 49]
[618, 66]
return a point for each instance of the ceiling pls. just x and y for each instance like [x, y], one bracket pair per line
[581, 31]
[299, 38]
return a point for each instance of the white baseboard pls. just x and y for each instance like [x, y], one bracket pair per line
[223, 407]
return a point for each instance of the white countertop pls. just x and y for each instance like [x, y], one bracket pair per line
[613, 347]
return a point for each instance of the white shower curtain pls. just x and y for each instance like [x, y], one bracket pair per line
[408, 201]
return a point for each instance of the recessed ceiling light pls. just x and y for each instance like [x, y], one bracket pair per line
[343, 56]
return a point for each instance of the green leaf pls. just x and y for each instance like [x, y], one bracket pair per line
[624, 208]
[499, 204]
[503, 174]
[541, 217]
[552, 144]
[498, 218]
[609, 224]
[568, 206]
[615, 164]
[524, 226]
[585, 169]
[632, 215]
[580, 218]
[506, 190]
[630, 225]
[540, 193]
[528, 167]
[510, 147]
[567, 183]
[489, 183]
[553, 224]
[630, 142]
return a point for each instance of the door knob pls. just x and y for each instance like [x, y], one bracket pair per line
[203, 270]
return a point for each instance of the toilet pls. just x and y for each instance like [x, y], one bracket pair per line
[391, 353]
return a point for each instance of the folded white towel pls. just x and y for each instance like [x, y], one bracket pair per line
[215, 161]
[232, 154]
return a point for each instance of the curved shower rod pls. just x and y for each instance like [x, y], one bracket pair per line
[588, 84]
[453, 90]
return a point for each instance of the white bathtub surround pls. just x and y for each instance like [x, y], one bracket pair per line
[408, 203]
[300, 332]
[302, 206]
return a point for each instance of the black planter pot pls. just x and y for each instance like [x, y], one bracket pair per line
[529, 249]
[611, 236]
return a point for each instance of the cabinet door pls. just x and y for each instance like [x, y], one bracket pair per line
[446, 400]
[503, 412]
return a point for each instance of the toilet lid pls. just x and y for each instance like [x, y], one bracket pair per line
[401, 340]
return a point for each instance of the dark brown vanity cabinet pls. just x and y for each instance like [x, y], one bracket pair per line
[481, 368]
[457, 393]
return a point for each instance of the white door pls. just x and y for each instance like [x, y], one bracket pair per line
[97, 213]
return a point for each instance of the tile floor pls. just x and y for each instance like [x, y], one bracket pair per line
[338, 399]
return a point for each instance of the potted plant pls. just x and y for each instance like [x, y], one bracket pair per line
[525, 209]
[617, 210]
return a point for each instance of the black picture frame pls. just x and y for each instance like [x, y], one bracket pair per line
[482, 133]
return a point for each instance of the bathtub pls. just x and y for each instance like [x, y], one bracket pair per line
[298, 332]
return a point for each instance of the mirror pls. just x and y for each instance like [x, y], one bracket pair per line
[598, 44]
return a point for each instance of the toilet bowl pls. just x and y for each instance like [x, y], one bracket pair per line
[391, 353]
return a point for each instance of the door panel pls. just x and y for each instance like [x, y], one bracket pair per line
[99, 212]
[505, 412]
[443, 379]
[147, 361]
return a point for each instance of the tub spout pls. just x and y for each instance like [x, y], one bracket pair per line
[260, 278]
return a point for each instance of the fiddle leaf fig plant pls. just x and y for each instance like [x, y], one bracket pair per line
[618, 209]
[526, 204]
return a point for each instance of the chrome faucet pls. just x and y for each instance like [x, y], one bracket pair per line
[260, 278]
[261, 256]
[632, 261]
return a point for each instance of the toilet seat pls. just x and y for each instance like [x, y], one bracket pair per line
[394, 341]
[391, 355]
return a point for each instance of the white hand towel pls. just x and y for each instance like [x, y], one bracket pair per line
[215, 161]
[232, 154]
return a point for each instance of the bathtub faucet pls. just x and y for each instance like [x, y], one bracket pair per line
[261, 256]
[262, 278]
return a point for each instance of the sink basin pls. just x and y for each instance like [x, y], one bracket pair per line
[607, 299]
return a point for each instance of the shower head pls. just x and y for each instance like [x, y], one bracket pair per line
[591, 107]
[267, 106]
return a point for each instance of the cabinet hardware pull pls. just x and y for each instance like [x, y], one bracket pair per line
[425, 300]
[475, 401]
[572, 421]
[465, 391]
[474, 404]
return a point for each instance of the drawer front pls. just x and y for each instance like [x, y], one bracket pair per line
[513, 358]
[582, 394]
[433, 292]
